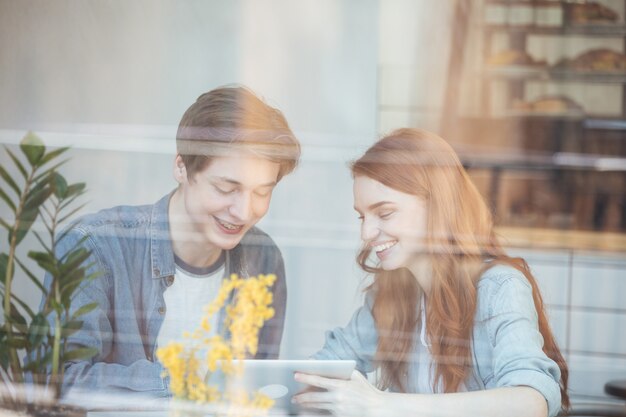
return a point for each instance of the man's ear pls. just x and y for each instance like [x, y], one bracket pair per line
[180, 171]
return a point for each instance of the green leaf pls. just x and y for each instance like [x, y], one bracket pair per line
[59, 185]
[71, 213]
[71, 327]
[45, 260]
[25, 306]
[4, 263]
[39, 365]
[85, 309]
[37, 195]
[17, 319]
[76, 189]
[30, 275]
[17, 343]
[68, 291]
[17, 163]
[48, 171]
[80, 353]
[27, 219]
[94, 274]
[47, 358]
[51, 155]
[42, 242]
[75, 259]
[7, 200]
[4, 224]
[9, 180]
[4, 355]
[32, 366]
[58, 308]
[33, 148]
[38, 329]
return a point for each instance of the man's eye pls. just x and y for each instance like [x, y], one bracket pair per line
[225, 191]
[265, 193]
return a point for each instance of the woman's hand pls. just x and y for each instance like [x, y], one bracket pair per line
[345, 398]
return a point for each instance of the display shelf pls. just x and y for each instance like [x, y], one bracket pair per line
[598, 77]
[517, 72]
[557, 161]
[593, 30]
[563, 167]
[537, 238]
[604, 123]
[521, 73]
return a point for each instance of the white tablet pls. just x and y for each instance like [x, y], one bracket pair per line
[274, 378]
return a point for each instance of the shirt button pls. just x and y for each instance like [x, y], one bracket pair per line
[161, 310]
[156, 271]
[169, 280]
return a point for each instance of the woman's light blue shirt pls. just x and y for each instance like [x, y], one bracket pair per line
[506, 342]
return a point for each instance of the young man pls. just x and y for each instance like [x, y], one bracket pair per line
[162, 263]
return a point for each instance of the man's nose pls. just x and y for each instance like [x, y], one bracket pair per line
[242, 207]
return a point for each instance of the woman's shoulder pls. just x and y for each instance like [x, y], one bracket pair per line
[501, 275]
[503, 288]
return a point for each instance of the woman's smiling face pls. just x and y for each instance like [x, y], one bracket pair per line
[393, 223]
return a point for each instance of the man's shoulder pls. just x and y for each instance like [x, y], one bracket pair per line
[118, 217]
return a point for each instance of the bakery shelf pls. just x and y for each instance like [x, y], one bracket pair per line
[533, 3]
[578, 240]
[557, 161]
[604, 123]
[572, 114]
[564, 163]
[597, 30]
[603, 77]
[517, 72]
[550, 74]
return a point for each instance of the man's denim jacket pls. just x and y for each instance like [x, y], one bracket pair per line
[506, 343]
[131, 247]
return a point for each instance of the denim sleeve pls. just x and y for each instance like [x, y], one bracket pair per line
[358, 340]
[97, 332]
[272, 332]
[518, 357]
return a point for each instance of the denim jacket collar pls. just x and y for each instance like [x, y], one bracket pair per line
[161, 251]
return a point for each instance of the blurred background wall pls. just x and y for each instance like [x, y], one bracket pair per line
[112, 79]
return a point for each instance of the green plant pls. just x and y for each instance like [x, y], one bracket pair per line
[34, 343]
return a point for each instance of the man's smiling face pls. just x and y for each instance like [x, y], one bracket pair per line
[224, 200]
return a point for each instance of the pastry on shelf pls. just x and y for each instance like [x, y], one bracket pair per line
[588, 12]
[549, 104]
[513, 57]
[594, 60]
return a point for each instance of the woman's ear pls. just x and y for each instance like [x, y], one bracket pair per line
[180, 172]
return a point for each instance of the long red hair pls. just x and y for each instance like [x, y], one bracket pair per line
[460, 237]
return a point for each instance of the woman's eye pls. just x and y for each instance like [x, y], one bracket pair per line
[360, 218]
[385, 215]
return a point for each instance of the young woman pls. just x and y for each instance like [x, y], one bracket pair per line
[448, 312]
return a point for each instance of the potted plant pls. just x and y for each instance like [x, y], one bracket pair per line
[33, 344]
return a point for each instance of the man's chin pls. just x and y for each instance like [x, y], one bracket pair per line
[230, 242]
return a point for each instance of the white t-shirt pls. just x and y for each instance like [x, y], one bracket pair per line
[192, 289]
